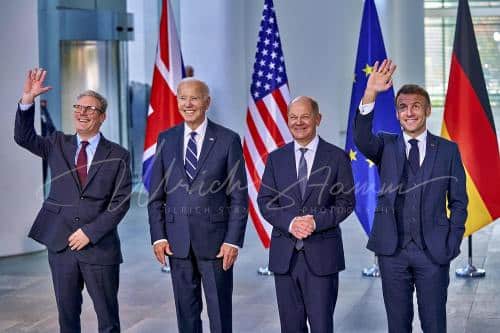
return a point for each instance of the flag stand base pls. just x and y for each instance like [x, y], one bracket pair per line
[264, 271]
[165, 269]
[372, 271]
[470, 271]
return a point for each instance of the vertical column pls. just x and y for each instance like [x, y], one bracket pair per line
[213, 42]
[21, 175]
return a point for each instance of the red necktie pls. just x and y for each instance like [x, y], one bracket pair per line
[81, 163]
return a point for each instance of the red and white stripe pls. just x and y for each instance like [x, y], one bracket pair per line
[266, 130]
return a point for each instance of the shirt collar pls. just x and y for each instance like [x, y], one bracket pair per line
[311, 146]
[421, 138]
[200, 130]
[93, 141]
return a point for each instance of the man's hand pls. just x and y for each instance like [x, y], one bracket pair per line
[380, 80]
[78, 240]
[33, 86]
[160, 249]
[229, 254]
[303, 226]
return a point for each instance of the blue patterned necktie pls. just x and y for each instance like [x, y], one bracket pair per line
[302, 178]
[414, 155]
[191, 160]
[302, 174]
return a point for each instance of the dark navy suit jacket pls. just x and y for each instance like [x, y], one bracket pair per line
[97, 208]
[329, 198]
[443, 187]
[210, 210]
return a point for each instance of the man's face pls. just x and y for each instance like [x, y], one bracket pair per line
[192, 102]
[412, 111]
[88, 122]
[302, 121]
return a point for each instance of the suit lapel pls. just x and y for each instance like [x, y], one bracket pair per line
[317, 170]
[430, 157]
[69, 152]
[400, 156]
[101, 154]
[291, 180]
[206, 147]
[179, 152]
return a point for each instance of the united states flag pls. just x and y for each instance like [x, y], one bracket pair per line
[168, 72]
[266, 126]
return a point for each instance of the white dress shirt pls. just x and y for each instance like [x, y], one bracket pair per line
[90, 149]
[200, 136]
[309, 155]
[365, 109]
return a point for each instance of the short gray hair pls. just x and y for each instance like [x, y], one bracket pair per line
[204, 87]
[91, 93]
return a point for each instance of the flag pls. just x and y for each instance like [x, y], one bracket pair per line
[266, 119]
[469, 122]
[168, 72]
[370, 49]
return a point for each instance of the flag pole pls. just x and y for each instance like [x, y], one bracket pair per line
[372, 271]
[469, 270]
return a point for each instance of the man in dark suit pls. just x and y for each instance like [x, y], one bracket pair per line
[306, 191]
[89, 196]
[421, 176]
[198, 209]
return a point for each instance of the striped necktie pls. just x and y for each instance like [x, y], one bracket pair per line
[191, 159]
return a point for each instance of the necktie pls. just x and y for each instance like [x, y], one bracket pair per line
[191, 161]
[302, 174]
[302, 178]
[414, 155]
[81, 163]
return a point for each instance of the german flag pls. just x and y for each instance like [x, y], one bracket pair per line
[469, 122]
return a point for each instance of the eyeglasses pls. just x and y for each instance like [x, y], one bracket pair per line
[90, 109]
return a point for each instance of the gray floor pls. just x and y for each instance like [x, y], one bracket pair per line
[146, 301]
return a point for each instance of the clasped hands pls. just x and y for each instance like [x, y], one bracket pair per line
[303, 226]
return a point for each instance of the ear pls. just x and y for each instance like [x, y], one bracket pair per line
[428, 111]
[318, 119]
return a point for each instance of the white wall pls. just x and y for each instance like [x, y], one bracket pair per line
[21, 180]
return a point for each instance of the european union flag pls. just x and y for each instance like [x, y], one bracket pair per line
[370, 49]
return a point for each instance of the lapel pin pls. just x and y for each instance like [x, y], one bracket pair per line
[211, 139]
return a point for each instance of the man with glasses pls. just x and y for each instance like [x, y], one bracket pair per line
[89, 196]
[421, 177]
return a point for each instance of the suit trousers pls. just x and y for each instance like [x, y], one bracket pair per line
[304, 296]
[69, 276]
[188, 274]
[408, 269]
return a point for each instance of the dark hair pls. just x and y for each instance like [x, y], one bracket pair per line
[413, 89]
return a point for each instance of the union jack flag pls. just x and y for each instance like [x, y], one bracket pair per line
[168, 72]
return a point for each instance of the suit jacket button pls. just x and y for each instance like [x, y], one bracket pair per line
[82, 197]
[77, 219]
